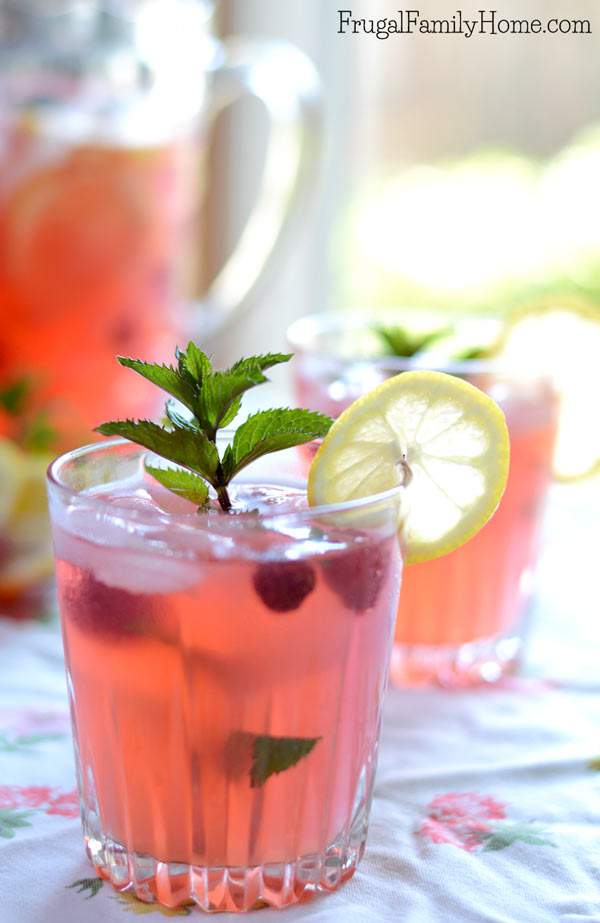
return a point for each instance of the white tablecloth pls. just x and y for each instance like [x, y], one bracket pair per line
[487, 803]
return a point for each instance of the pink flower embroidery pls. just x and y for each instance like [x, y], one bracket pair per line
[17, 796]
[42, 797]
[461, 819]
[476, 822]
[67, 804]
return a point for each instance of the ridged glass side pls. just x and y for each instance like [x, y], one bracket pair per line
[237, 889]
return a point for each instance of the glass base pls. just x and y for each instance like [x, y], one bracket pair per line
[218, 889]
[476, 663]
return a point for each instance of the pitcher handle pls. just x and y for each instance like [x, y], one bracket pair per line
[285, 81]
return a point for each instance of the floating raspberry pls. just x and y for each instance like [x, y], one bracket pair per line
[284, 586]
[357, 575]
[108, 611]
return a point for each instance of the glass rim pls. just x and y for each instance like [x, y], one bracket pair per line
[126, 512]
[313, 325]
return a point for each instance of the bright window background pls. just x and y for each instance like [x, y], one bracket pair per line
[460, 172]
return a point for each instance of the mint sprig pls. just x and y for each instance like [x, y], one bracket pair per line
[405, 343]
[400, 341]
[211, 400]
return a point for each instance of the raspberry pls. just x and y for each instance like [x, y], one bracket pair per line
[107, 611]
[357, 575]
[283, 586]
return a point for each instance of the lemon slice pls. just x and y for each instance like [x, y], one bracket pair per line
[453, 438]
[26, 556]
[10, 478]
[561, 338]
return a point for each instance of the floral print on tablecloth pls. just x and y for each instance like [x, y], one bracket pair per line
[476, 823]
[27, 729]
[19, 802]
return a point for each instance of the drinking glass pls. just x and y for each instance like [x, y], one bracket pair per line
[225, 673]
[462, 617]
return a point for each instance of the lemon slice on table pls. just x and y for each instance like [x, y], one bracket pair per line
[25, 549]
[561, 338]
[453, 438]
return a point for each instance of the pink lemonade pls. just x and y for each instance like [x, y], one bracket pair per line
[191, 640]
[460, 616]
[93, 237]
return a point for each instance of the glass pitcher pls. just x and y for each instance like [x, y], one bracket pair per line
[105, 111]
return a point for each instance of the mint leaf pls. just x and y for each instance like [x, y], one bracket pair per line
[400, 341]
[220, 398]
[276, 754]
[263, 362]
[38, 433]
[175, 418]
[183, 483]
[166, 377]
[212, 399]
[14, 398]
[193, 363]
[220, 394]
[270, 431]
[190, 449]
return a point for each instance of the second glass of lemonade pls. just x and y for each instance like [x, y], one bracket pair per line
[226, 675]
[461, 618]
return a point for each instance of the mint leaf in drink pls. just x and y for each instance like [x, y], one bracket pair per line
[180, 482]
[193, 363]
[270, 431]
[190, 449]
[400, 341]
[220, 399]
[211, 400]
[272, 755]
[165, 377]
[262, 362]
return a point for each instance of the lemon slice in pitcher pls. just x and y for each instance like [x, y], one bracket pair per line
[561, 338]
[444, 438]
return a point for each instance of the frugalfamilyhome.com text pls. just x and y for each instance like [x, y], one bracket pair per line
[479, 22]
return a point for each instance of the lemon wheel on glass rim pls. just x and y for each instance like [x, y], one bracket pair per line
[448, 434]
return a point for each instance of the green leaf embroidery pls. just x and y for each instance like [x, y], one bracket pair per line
[165, 376]
[191, 450]
[11, 820]
[25, 741]
[270, 431]
[131, 903]
[93, 885]
[183, 483]
[276, 754]
[505, 834]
